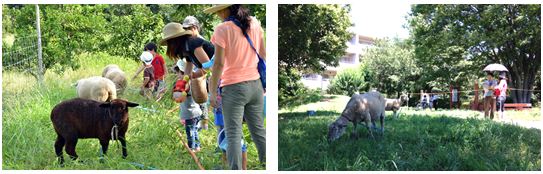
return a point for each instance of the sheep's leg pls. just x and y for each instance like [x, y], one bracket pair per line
[354, 134]
[368, 121]
[382, 119]
[104, 142]
[105, 146]
[123, 144]
[58, 148]
[70, 147]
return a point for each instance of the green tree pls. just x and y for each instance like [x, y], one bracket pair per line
[310, 37]
[390, 67]
[122, 30]
[453, 43]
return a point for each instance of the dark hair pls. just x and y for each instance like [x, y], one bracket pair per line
[241, 14]
[490, 74]
[176, 47]
[150, 47]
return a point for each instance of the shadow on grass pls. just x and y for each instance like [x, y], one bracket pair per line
[414, 142]
[300, 115]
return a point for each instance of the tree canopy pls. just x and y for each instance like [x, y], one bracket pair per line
[453, 43]
[120, 29]
[311, 37]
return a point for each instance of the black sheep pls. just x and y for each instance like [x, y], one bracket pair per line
[83, 118]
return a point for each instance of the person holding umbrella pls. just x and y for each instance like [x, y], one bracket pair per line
[489, 100]
[501, 94]
[489, 87]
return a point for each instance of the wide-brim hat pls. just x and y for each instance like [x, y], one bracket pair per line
[216, 8]
[173, 30]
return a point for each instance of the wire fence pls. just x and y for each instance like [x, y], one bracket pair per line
[21, 55]
[21, 60]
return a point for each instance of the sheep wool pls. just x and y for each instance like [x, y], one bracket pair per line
[96, 88]
[115, 74]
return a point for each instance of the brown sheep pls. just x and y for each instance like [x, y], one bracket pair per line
[83, 118]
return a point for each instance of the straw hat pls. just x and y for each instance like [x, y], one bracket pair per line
[173, 30]
[216, 8]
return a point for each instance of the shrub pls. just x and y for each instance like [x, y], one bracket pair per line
[347, 82]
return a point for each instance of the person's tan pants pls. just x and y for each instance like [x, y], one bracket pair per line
[490, 106]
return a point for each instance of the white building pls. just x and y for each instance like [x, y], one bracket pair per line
[356, 46]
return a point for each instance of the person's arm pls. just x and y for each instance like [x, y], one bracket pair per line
[202, 58]
[188, 68]
[138, 71]
[216, 73]
[145, 81]
[201, 55]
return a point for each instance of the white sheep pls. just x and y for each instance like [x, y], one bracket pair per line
[115, 74]
[394, 105]
[96, 88]
[366, 108]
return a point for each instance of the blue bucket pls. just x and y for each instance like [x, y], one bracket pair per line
[311, 112]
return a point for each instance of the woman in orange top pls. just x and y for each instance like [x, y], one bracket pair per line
[236, 66]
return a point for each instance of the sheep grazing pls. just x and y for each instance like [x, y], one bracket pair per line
[96, 88]
[115, 74]
[83, 118]
[360, 108]
[395, 104]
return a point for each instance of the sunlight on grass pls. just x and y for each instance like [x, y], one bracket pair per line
[417, 140]
[28, 136]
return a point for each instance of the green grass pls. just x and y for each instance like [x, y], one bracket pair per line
[28, 135]
[417, 140]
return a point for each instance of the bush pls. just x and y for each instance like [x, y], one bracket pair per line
[347, 82]
[293, 93]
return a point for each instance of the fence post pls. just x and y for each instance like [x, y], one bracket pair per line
[40, 60]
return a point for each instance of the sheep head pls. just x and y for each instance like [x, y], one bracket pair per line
[336, 129]
[118, 110]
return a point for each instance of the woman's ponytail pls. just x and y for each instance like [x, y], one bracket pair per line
[242, 15]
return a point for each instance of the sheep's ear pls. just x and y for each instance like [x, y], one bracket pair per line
[105, 105]
[130, 104]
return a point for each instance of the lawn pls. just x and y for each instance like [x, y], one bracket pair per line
[28, 135]
[417, 140]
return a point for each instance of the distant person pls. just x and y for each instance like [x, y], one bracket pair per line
[424, 102]
[455, 99]
[502, 94]
[148, 75]
[489, 100]
[159, 67]
[435, 98]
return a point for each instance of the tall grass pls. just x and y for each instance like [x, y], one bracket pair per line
[415, 141]
[28, 135]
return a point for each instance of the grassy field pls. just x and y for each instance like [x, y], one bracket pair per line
[417, 140]
[28, 135]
